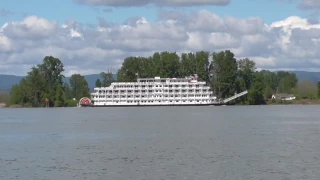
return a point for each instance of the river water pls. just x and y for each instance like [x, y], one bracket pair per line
[146, 143]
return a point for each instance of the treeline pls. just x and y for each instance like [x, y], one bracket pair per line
[221, 70]
[46, 81]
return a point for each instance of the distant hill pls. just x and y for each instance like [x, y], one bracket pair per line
[303, 75]
[91, 79]
[6, 81]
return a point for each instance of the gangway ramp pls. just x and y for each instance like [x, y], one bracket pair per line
[235, 96]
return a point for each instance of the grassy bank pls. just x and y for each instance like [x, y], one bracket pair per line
[298, 102]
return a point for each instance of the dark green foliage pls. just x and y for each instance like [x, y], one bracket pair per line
[107, 79]
[318, 90]
[165, 64]
[7, 81]
[71, 103]
[306, 89]
[286, 81]
[78, 87]
[256, 91]
[46, 81]
[4, 97]
[67, 91]
[224, 68]
[224, 73]
[98, 83]
[59, 99]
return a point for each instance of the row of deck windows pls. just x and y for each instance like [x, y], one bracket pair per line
[152, 91]
[157, 96]
[151, 86]
[156, 101]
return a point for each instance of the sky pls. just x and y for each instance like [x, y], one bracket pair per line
[91, 36]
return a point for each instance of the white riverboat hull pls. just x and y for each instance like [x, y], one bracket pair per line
[125, 104]
[156, 91]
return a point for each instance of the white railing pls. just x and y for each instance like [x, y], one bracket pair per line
[235, 96]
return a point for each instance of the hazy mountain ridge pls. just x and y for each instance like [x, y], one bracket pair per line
[6, 81]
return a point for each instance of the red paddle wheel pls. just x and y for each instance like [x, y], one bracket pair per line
[85, 101]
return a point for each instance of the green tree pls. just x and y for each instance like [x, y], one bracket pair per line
[319, 89]
[67, 91]
[52, 69]
[167, 64]
[59, 99]
[270, 79]
[128, 70]
[107, 79]
[35, 85]
[187, 67]
[98, 83]
[79, 86]
[4, 97]
[16, 95]
[268, 91]
[306, 89]
[286, 81]
[246, 70]
[41, 82]
[202, 65]
[255, 94]
[224, 70]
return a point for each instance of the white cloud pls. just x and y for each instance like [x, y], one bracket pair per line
[31, 27]
[5, 12]
[128, 3]
[292, 43]
[309, 4]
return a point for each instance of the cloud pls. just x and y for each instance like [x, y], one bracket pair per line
[313, 9]
[5, 12]
[292, 43]
[107, 10]
[127, 3]
[309, 4]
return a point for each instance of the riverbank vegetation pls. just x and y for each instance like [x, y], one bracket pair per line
[221, 70]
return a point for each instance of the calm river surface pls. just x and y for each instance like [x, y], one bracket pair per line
[154, 143]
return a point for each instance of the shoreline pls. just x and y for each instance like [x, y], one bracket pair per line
[268, 103]
[295, 102]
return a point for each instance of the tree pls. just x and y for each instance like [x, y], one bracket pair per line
[16, 95]
[319, 89]
[35, 86]
[202, 65]
[40, 83]
[98, 83]
[128, 70]
[59, 99]
[52, 69]
[268, 91]
[4, 97]
[187, 67]
[246, 70]
[286, 81]
[224, 70]
[306, 89]
[79, 86]
[255, 94]
[107, 79]
[67, 91]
